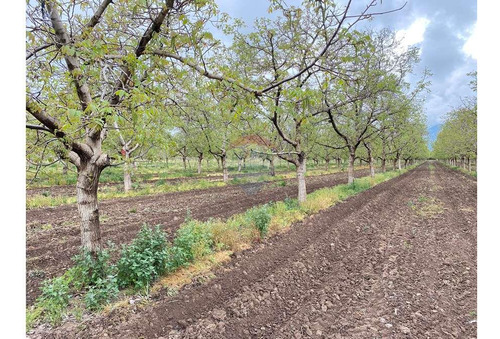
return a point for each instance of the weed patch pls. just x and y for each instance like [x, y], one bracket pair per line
[144, 259]
[426, 206]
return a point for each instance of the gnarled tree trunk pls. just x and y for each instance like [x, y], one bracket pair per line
[86, 194]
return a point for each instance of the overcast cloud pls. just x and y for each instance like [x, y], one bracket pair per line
[443, 29]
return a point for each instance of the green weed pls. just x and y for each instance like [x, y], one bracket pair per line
[260, 217]
[193, 240]
[144, 259]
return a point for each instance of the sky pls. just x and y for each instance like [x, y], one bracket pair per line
[444, 30]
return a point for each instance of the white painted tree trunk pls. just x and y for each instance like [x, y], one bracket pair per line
[371, 161]
[399, 163]
[350, 168]
[372, 167]
[301, 180]
[225, 175]
[239, 165]
[127, 178]
[200, 159]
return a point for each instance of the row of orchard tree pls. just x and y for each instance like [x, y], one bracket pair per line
[456, 143]
[111, 81]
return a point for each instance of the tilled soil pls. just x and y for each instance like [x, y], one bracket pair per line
[53, 234]
[397, 261]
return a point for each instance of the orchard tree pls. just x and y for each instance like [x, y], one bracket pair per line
[275, 64]
[365, 88]
[82, 59]
[458, 136]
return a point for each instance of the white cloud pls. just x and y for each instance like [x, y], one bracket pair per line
[413, 34]
[470, 47]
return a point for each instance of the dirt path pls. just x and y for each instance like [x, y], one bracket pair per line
[397, 261]
[53, 234]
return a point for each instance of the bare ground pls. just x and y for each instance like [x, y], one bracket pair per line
[397, 261]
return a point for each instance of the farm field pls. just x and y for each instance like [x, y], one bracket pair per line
[398, 260]
[53, 234]
[249, 169]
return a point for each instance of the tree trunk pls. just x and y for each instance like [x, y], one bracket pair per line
[239, 165]
[127, 178]
[370, 160]
[184, 162]
[225, 175]
[327, 164]
[350, 168]
[372, 167]
[200, 159]
[86, 195]
[399, 163]
[383, 165]
[218, 163]
[469, 164]
[301, 179]
[272, 172]
[244, 162]
[339, 163]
